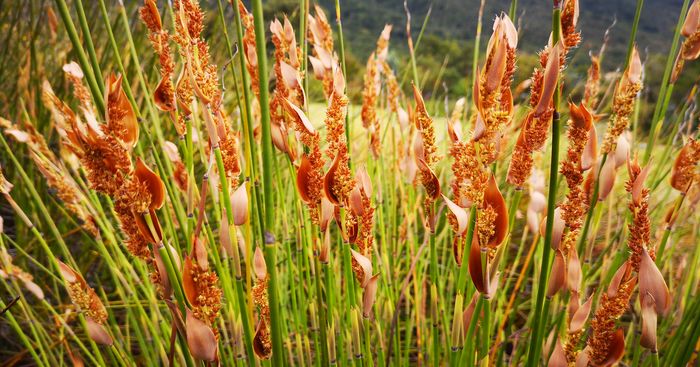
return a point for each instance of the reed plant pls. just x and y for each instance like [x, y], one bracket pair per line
[188, 183]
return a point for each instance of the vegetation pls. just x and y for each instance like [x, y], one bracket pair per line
[242, 184]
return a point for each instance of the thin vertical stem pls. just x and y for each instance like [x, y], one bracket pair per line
[269, 237]
[536, 333]
[82, 58]
[87, 38]
[666, 88]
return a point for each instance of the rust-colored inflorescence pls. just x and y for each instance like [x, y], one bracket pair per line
[53, 170]
[370, 92]
[107, 161]
[640, 229]
[164, 94]
[262, 344]
[361, 215]
[249, 47]
[684, 172]
[606, 345]
[533, 133]
[424, 124]
[568, 221]
[85, 298]
[471, 157]
[575, 207]
[376, 65]
[202, 74]
[288, 77]
[623, 102]
[200, 284]
[320, 36]
[494, 106]
[228, 143]
[310, 170]
[338, 182]
[590, 95]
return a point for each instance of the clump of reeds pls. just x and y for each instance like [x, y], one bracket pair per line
[387, 246]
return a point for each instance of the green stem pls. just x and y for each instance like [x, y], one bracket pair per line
[536, 333]
[87, 38]
[633, 32]
[321, 311]
[269, 237]
[667, 230]
[82, 58]
[666, 88]
[240, 293]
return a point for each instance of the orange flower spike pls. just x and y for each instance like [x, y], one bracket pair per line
[200, 284]
[616, 349]
[684, 168]
[85, 298]
[151, 16]
[606, 344]
[262, 344]
[623, 102]
[424, 123]
[569, 20]
[592, 83]
[249, 47]
[430, 180]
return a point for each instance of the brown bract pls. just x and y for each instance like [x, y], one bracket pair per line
[120, 116]
[494, 200]
[684, 171]
[154, 185]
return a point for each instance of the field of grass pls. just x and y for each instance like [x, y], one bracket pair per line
[194, 187]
